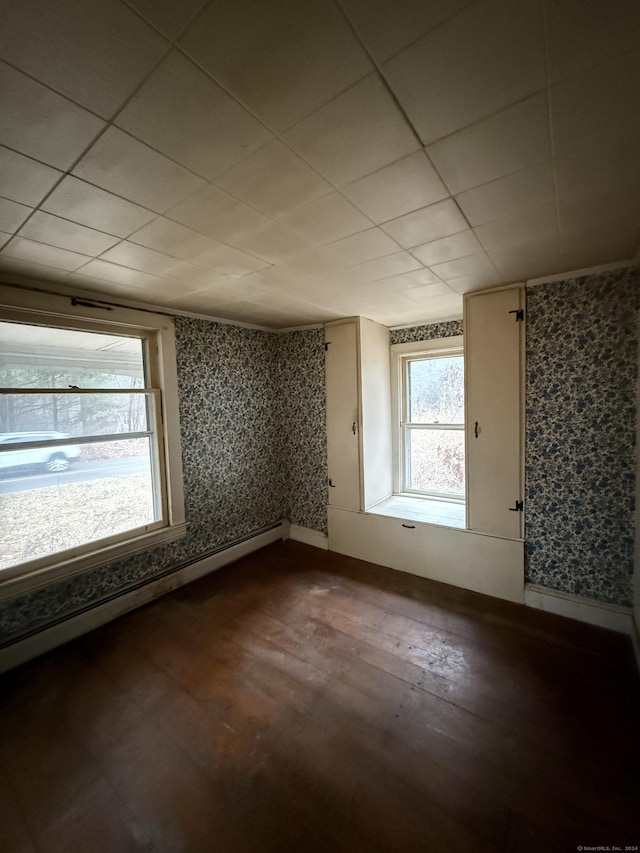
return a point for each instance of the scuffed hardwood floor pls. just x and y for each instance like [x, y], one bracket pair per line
[303, 701]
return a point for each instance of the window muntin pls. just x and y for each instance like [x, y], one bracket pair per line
[120, 413]
[431, 431]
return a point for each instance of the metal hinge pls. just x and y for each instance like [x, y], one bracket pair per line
[326, 345]
[331, 483]
[519, 312]
[519, 507]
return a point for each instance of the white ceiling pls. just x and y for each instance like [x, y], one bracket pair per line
[285, 162]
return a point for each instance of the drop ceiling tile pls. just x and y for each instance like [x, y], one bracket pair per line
[536, 226]
[173, 239]
[603, 180]
[280, 59]
[200, 302]
[430, 223]
[514, 267]
[16, 271]
[312, 263]
[326, 220]
[510, 141]
[121, 275]
[161, 290]
[482, 60]
[112, 49]
[597, 222]
[274, 180]
[182, 113]
[41, 124]
[337, 139]
[119, 163]
[408, 184]
[416, 278]
[25, 180]
[216, 214]
[619, 249]
[474, 281]
[448, 248]
[435, 310]
[196, 277]
[476, 266]
[427, 291]
[274, 277]
[146, 260]
[386, 267]
[508, 196]
[12, 215]
[39, 253]
[598, 107]
[388, 26]
[5, 236]
[88, 205]
[272, 242]
[524, 261]
[364, 246]
[226, 260]
[584, 33]
[167, 15]
[46, 228]
[108, 289]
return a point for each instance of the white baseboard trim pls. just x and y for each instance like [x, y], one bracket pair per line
[69, 629]
[309, 536]
[611, 616]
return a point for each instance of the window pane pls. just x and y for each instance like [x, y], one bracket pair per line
[436, 460]
[108, 490]
[73, 414]
[42, 357]
[436, 390]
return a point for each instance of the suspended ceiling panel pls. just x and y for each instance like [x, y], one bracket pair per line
[291, 162]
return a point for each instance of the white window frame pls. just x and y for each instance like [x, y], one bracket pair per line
[400, 355]
[158, 335]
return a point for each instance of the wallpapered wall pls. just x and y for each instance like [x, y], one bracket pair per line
[580, 434]
[449, 329]
[252, 412]
[581, 381]
[254, 451]
[302, 415]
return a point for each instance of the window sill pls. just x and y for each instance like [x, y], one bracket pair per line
[428, 510]
[16, 581]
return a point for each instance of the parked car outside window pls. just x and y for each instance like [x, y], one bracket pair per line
[51, 459]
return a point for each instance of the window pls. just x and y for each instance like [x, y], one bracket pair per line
[90, 465]
[429, 429]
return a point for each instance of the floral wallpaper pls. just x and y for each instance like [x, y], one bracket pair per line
[580, 434]
[449, 329]
[253, 445]
[252, 411]
[302, 414]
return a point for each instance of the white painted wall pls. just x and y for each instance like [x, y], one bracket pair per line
[375, 390]
[343, 416]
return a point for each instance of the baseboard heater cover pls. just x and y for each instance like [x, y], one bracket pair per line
[27, 646]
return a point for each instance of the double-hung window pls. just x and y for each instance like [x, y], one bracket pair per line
[429, 427]
[90, 466]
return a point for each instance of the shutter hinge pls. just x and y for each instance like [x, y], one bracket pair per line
[326, 345]
[519, 507]
[331, 483]
[519, 312]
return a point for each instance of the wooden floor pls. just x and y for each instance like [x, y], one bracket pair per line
[301, 701]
